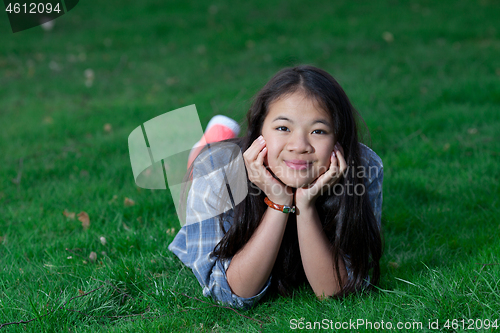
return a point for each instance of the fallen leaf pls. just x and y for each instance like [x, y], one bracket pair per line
[69, 215]
[89, 74]
[170, 81]
[113, 199]
[89, 77]
[81, 292]
[388, 37]
[103, 240]
[48, 120]
[108, 128]
[108, 42]
[93, 256]
[31, 67]
[393, 264]
[213, 9]
[84, 218]
[250, 44]
[128, 202]
[53, 65]
[201, 49]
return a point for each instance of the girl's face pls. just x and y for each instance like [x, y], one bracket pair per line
[299, 138]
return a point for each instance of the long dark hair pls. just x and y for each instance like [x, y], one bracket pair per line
[347, 219]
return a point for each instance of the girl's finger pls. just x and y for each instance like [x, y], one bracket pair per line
[333, 165]
[340, 158]
[261, 156]
[327, 176]
[333, 159]
[258, 162]
[257, 169]
[255, 148]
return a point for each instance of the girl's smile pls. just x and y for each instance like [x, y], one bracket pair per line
[298, 164]
[299, 137]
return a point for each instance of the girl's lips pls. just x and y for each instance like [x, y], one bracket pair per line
[298, 164]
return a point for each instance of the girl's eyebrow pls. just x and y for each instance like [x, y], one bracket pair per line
[282, 118]
[321, 121]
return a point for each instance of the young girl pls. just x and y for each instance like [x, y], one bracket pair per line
[313, 209]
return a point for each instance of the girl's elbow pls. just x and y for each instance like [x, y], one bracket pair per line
[325, 293]
[322, 297]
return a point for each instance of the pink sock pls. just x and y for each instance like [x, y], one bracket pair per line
[219, 128]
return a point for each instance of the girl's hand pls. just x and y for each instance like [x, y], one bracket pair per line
[275, 190]
[306, 196]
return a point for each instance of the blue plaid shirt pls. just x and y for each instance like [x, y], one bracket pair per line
[197, 239]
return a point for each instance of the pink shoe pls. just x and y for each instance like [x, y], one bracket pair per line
[219, 128]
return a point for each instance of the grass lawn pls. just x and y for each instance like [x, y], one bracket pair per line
[425, 76]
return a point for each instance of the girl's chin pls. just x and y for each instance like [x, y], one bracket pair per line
[296, 183]
[292, 182]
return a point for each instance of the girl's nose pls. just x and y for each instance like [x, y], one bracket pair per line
[299, 143]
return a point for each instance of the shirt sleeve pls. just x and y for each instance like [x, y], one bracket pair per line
[374, 175]
[197, 239]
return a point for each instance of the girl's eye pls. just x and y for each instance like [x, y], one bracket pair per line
[318, 131]
[282, 128]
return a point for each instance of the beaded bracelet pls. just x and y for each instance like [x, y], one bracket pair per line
[281, 208]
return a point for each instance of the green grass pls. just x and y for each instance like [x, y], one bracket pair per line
[430, 99]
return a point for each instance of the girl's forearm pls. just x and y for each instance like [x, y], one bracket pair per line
[251, 266]
[317, 258]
